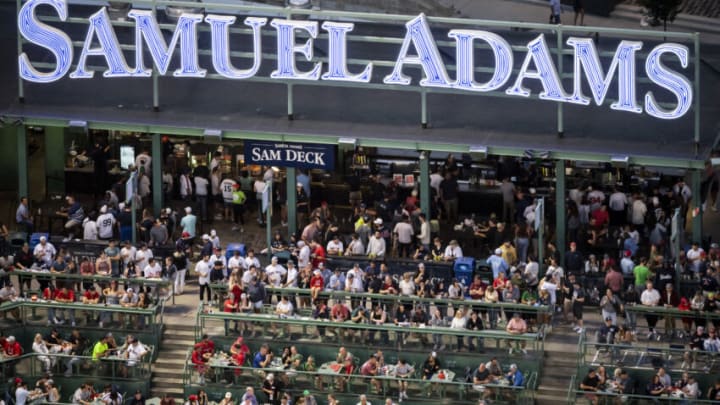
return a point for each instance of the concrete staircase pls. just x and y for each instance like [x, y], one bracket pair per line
[168, 368]
[683, 22]
[559, 366]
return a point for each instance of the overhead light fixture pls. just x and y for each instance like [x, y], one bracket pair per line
[347, 141]
[478, 149]
[423, 155]
[213, 136]
[78, 124]
[715, 161]
[620, 159]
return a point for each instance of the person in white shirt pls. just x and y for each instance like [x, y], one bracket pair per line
[215, 239]
[201, 192]
[694, 255]
[153, 269]
[217, 256]
[134, 354]
[335, 246]
[143, 160]
[227, 187]
[284, 308]
[186, 189]
[45, 251]
[303, 254]
[435, 180]
[127, 253]
[712, 343]
[40, 347]
[596, 198]
[406, 286]
[105, 224]
[90, 229]
[354, 279]
[551, 285]
[355, 247]
[405, 235]
[618, 205]
[142, 257]
[650, 297]
[275, 272]
[376, 246]
[637, 212]
[453, 251]
[236, 261]
[202, 268]
[424, 236]
[627, 264]
[251, 260]
[292, 275]
[259, 188]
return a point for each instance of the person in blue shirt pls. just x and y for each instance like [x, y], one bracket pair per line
[497, 263]
[515, 377]
[262, 358]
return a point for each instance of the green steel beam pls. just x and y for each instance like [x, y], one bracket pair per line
[668, 162]
[54, 161]
[291, 179]
[22, 153]
[157, 160]
[560, 208]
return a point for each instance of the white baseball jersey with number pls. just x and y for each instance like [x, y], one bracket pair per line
[226, 187]
[105, 224]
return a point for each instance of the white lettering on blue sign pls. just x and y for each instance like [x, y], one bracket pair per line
[587, 59]
[546, 72]
[109, 47]
[50, 38]
[428, 57]
[287, 49]
[220, 31]
[337, 54]
[466, 60]
[146, 27]
[538, 63]
[674, 82]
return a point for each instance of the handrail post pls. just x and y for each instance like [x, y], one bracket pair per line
[423, 108]
[21, 88]
[696, 82]
[290, 111]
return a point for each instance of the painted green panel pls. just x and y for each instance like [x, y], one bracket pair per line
[8, 158]
[55, 159]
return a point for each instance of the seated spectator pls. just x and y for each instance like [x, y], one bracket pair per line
[655, 388]
[607, 332]
[591, 383]
[8, 294]
[516, 326]
[482, 376]
[40, 347]
[370, 368]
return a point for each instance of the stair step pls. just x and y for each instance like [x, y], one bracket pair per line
[175, 345]
[167, 382]
[165, 372]
[171, 362]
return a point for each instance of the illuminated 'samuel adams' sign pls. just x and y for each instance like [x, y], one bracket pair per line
[418, 36]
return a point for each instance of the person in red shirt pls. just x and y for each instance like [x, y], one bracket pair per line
[317, 283]
[199, 363]
[601, 217]
[231, 306]
[49, 294]
[344, 375]
[12, 351]
[206, 345]
[91, 296]
[66, 296]
[477, 288]
[317, 254]
[239, 351]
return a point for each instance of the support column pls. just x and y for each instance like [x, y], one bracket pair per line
[697, 220]
[425, 185]
[157, 160]
[560, 214]
[22, 156]
[291, 180]
[54, 161]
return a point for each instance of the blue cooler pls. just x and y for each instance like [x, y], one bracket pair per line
[232, 247]
[35, 239]
[464, 270]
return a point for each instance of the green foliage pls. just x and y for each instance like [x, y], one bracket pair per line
[661, 11]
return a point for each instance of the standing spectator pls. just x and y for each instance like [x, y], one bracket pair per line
[578, 302]
[238, 204]
[22, 216]
[650, 297]
[189, 223]
[449, 190]
[618, 206]
[573, 260]
[507, 188]
[610, 305]
[404, 233]
[638, 211]
[201, 194]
